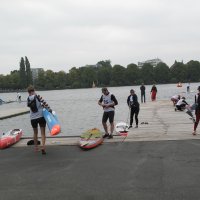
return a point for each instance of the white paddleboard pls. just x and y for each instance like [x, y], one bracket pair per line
[121, 128]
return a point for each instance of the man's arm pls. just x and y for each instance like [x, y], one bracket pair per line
[100, 101]
[114, 99]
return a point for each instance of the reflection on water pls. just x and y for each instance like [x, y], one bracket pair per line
[78, 110]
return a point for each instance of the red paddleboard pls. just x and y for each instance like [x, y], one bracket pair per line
[91, 138]
[10, 138]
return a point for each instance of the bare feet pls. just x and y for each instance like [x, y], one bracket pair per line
[194, 133]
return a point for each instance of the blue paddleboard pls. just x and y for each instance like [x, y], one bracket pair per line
[52, 122]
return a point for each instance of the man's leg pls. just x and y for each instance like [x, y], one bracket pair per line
[43, 135]
[136, 118]
[35, 138]
[131, 117]
[42, 123]
[105, 127]
[111, 128]
[111, 120]
[196, 122]
[104, 120]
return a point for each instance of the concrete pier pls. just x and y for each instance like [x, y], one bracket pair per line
[12, 112]
[163, 124]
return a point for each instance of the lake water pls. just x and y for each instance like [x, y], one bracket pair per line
[78, 110]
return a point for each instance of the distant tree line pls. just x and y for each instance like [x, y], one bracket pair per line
[17, 79]
[102, 74]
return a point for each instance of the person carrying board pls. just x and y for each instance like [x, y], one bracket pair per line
[36, 117]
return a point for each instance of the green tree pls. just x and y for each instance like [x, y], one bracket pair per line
[106, 63]
[49, 80]
[40, 81]
[104, 75]
[88, 75]
[178, 72]
[15, 79]
[61, 80]
[162, 73]
[147, 73]
[118, 76]
[132, 74]
[28, 72]
[193, 71]
[22, 73]
[74, 78]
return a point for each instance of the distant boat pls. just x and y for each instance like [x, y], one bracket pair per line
[93, 85]
[179, 84]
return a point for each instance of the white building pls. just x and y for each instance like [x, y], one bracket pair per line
[35, 72]
[153, 62]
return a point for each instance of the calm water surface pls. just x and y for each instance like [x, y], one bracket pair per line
[78, 110]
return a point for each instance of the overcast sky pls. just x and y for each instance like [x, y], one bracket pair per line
[61, 34]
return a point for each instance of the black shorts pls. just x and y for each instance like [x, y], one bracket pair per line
[108, 115]
[41, 121]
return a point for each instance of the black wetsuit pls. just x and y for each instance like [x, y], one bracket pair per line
[134, 105]
[142, 88]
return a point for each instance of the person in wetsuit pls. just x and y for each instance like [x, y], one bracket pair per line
[134, 107]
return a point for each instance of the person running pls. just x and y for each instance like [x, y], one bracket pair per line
[175, 99]
[153, 92]
[108, 102]
[197, 110]
[181, 104]
[142, 88]
[134, 107]
[36, 116]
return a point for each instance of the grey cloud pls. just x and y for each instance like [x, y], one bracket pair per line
[66, 33]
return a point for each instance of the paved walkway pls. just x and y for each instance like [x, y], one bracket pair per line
[157, 170]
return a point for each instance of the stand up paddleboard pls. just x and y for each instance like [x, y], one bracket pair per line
[9, 138]
[91, 138]
[121, 129]
[52, 121]
[50, 117]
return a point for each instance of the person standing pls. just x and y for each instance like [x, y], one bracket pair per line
[134, 107]
[153, 92]
[197, 110]
[36, 116]
[142, 88]
[19, 97]
[108, 102]
[188, 88]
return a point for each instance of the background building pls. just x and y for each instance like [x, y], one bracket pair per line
[35, 72]
[153, 62]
